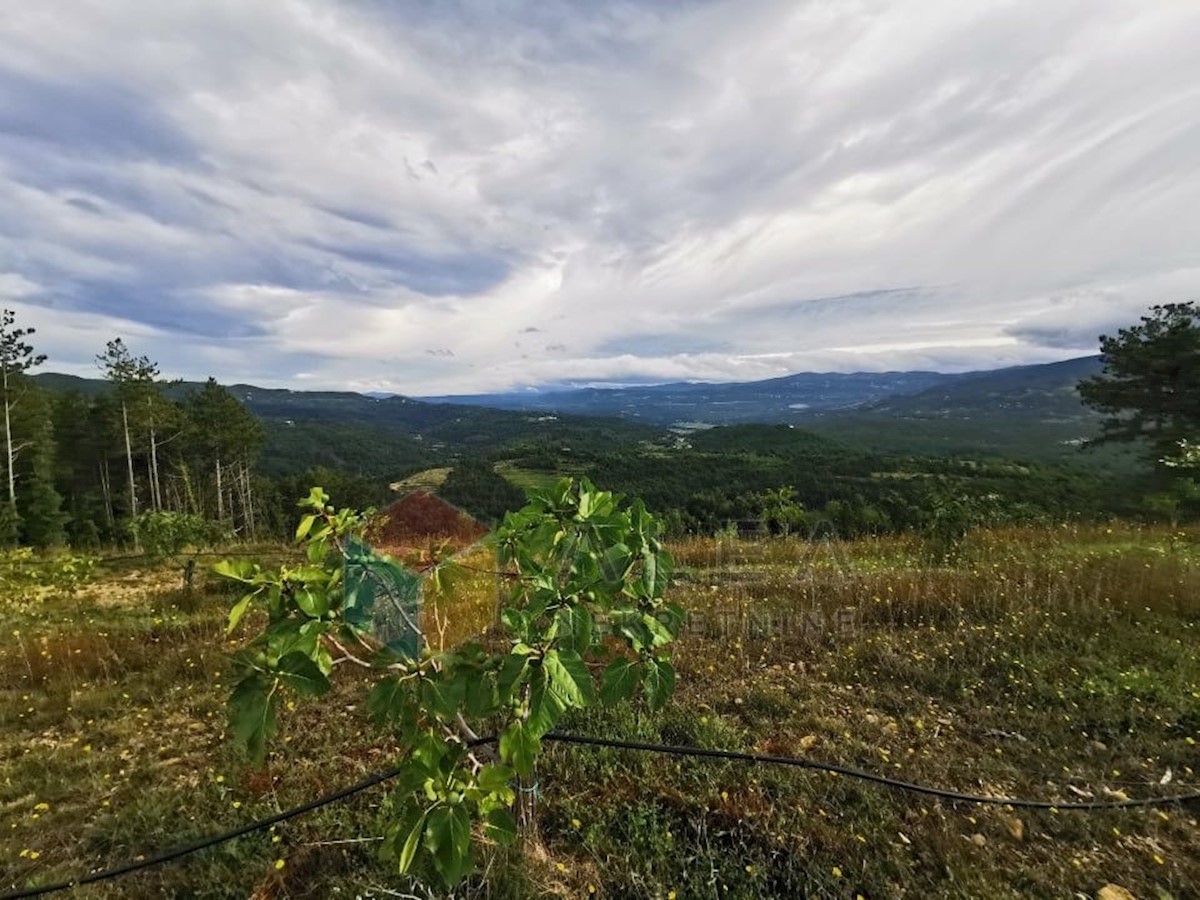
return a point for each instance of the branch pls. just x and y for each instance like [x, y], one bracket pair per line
[347, 656]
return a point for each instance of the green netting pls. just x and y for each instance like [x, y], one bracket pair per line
[384, 595]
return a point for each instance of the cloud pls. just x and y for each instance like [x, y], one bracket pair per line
[88, 118]
[353, 192]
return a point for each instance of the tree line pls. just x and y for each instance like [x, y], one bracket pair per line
[95, 470]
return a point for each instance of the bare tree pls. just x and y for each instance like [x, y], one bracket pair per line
[135, 381]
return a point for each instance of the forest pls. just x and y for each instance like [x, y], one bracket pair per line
[95, 463]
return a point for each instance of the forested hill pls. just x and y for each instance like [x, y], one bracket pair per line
[1038, 391]
[387, 436]
[1020, 411]
[1024, 411]
[1044, 391]
[785, 400]
[795, 399]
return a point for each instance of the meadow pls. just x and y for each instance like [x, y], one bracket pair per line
[1051, 663]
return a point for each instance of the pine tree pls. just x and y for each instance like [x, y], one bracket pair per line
[40, 504]
[1150, 388]
[82, 450]
[223, 438]
[16, 357]
[135, 383]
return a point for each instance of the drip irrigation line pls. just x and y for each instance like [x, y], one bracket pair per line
[583, 740]
[211, 841]
[862, 775]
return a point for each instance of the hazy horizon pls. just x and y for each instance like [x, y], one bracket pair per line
[554, 387]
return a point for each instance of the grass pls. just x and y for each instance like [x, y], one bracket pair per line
[526, 479]
[425, 480]
[1052, 663]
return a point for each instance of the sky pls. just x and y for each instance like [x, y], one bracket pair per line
[439, 198]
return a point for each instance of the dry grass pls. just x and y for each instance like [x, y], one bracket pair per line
[462, 605]
[1045, 662]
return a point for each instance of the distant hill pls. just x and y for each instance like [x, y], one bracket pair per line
[56, 381]
[1027, 411]
[1032, 411]
[1040, 391]
[788, 399]
[1047, 392]
[389, 436]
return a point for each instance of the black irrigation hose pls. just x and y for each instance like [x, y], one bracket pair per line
[213, 840]
[581, 740]
[870, 776]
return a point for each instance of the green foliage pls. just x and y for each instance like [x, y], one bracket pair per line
[1150, 389]
[15, 355]
[168, 533]
[474, 486]
[218, 426]
[354, 491]
[783, 478]
[781, 510]
[38, 503]
[241, 455]
[585, 622]
[295, 447]
[950, 520]
[33, 512]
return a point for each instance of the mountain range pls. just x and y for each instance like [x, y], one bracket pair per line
[1019, 410]
[1047, 389]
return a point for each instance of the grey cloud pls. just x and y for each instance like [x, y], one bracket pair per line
[706, 190]
[359, 217]
[89, 119]
[434, 276]
[159, 307]
[663, 345]
[1075, 339]
[86, 205]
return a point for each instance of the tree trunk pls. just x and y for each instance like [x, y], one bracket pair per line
[189, 503]
[220, 494]
[527, 797]
[8, 446]
[240, 483]
[155, 484]
[133, 510]
[104, 487]
[150, 484]
[249, 499]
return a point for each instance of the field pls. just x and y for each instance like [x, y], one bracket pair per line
[1056, 663]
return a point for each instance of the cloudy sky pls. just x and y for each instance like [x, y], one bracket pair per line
[440, 198]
